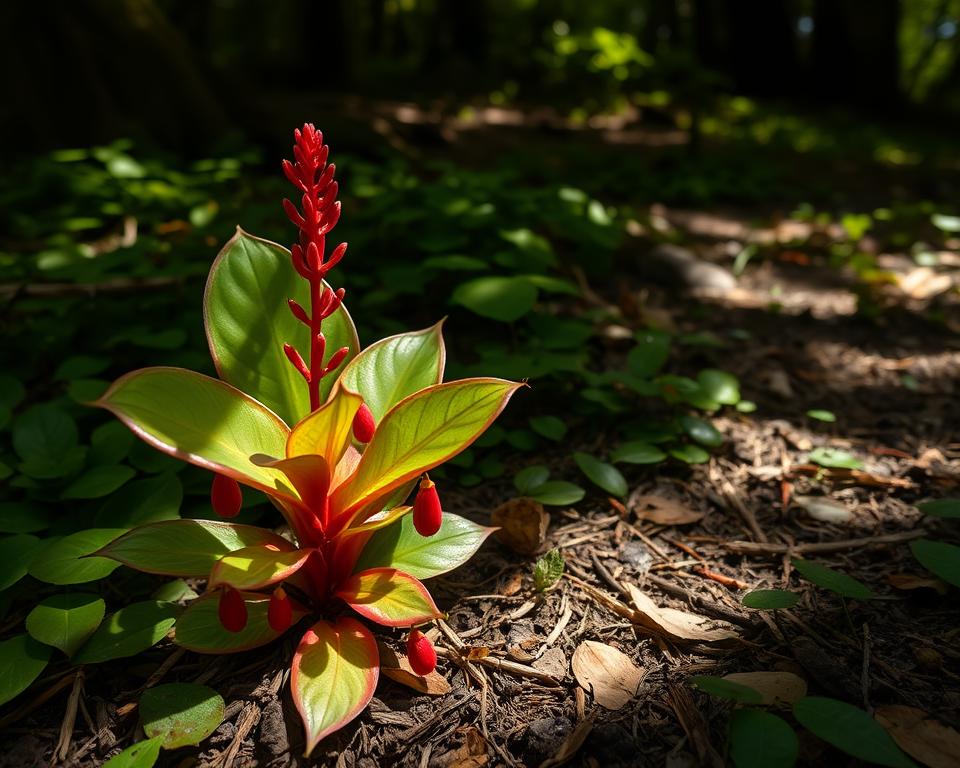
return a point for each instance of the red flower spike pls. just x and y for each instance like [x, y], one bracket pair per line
[226, 496]
[280, 611]
[335, 359]
[298, 312]
[421, 653]
[427, 513]
[293, 214]
[363, 424]
[294, 357]
[232, 610]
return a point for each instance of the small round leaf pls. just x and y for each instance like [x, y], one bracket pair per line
[183, 714]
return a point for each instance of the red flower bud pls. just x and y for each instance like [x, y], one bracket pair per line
[420, 653]
[232, 610]
[280, 611]
[226, 496]
[427, 514]
[363, 424]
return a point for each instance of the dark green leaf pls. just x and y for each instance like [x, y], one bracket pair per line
[66, 620]
[557, 493]
[528, 479]
[98, 482]
[770, 599]
[143, 754]
[602, 474]
[940, 558]
[835, 458]
[941, 508]
[129, 631]
[22, 659]
[142, 501]
[500, 298]
[638, 453]
[719, 386]
[22, 517]
[843, 585]
[702, 431]
[549, 427]
[690, 454]
[65, 561]
[16, 553]
[727, 689]
[648, 357]
[762, 740]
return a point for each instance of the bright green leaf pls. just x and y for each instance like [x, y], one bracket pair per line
[690, 454]
[843, 585]
[602, 474]
[770, 599]
[821, 415]
[143, 754]
[199, 628]
[389, 597]
[182, 714]
[22, 659]
[727, 689]
[129, 631]
[940, 558]
[702, 431]
[255, 567]
[637, 453]
[850, 730]
[66, 620]
[719, 386]
[548, 570]
[186, 547]
[253, 278]
[762, 740]
[66, 561]
[835, 458]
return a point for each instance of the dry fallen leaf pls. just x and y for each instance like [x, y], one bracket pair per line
[607, 673]
[920, 736]
[522, 523]
[395, 666]
[679, 625]
[776, 688]
[924, 283]
[475, 652]
[824, 509]
[916, 581]
[663, 511]
[471, 754]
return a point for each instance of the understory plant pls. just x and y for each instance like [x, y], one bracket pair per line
[337, 438]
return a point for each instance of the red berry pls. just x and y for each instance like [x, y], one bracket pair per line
[363, 425]
[225, 495]
[427, 514]
[280, 611]
[420, 653]
[232, 610]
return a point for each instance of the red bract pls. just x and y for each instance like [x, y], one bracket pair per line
[421, 653]
[280, 611]
[363, 425]
[427, 513]
[232, 610]
[226, 496]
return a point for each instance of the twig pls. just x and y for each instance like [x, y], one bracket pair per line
[733, 499]
[768, 548]
[62, 749]
[503, 665]
[707, 606]
[865, 672]
[248, 718]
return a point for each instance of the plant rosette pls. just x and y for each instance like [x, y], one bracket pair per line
[366, 427]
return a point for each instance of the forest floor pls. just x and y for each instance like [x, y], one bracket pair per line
[507, 692]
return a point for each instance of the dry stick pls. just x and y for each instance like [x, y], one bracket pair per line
[707, 606]
[502, 665]
[412, 734]
[757, 548]
[865, 672]
[248, 718]
[734, 500]
[69, 719]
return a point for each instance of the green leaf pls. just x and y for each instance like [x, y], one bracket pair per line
[389, 597]
[80, 367]
[199, 628]
[770, 599]
[181, 714]
[941, 508]
[143, 754]
[46, 438]
[421, 432]
[690, 454]
[22, 659]
[16, 553]
[110, 443]
[719, 386]
[835, 458]
[175, 591]
[255, 567]
[253, 278]
[821, 415]
[940, 558]
[850, 730]
[396, 367]
[530, 478]
[142, 501]
[651, 353]
[129, 631]
[548, 570]
[66, 561]
[843, 585]
[333, 676]
[11, 391]
[557, 493]
[702, 431]
[500, 298]
[602, 474]
[549, 427]
[22, 517]
[98, 482]
[400, 546]
[762, 740]
[186, 547]
[66, 620]
[203, 421]
[727, 689]
[638, 453]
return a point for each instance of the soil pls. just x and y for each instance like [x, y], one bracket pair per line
[799, 344]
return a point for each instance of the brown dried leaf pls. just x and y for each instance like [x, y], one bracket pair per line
[916, 581]
[679, 625]
[475, 652]
[920, 736]
[663, 511]
[471, 754]
[395, 666]
[607, 673]
[522, 523]
[776, 688]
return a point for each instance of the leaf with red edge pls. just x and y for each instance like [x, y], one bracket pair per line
[256, 567]
[419, 433]
[186, 547]
[327, 431]
[203, 421]
[199, 629]
[333, 676]
[389, 597]
[254, 278]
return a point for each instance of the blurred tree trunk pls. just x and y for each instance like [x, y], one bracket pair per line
[856, 53]
[76, 73]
